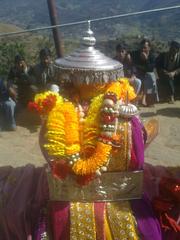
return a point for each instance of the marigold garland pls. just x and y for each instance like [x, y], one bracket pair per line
[115, 88]
[96, 161]
[63, 130]
[45, 102]
[62, 133]
[71, 128]
[55, 134]
[120, 88]
[64, 138]
[91, 127]
[126, 87]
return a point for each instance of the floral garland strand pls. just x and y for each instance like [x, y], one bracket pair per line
[98, 160]
[99, 131]
[44, 102]
[91, 126]
[55, 135]
[72, 138]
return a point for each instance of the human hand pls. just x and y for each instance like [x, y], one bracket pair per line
[24, 67]
[144, 55]
[128, 59]
[13, 93]
[172, 74]
[132, 78]
[165, 72]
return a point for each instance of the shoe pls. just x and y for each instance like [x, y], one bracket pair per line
[12, 129]
[151, 105]
[171, 101]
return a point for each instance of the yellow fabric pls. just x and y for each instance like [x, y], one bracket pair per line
[82, 221]
[121, 155]
[152, 129]
[107, 229]
[121, 221]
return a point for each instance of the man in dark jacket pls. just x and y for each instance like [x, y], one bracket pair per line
[42, 74]
[19, 78]
[168, 67]
[144, 62]
[124, 57]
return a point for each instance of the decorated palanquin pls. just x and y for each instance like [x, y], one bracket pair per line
[93, 141]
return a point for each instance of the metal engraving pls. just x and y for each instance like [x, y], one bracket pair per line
[110, 186]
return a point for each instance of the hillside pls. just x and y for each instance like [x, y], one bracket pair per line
[4, 27]
[34, 13]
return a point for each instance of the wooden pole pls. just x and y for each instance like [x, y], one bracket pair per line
[56, 32]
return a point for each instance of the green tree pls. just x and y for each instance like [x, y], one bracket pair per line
[8, 51]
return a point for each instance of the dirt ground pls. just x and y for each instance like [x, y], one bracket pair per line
[21, 147]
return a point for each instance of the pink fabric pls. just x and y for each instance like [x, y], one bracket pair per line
[60, 220]
[23, 191]
[99, 208]
[138, 144]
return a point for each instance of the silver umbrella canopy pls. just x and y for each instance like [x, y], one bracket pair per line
[87, 64]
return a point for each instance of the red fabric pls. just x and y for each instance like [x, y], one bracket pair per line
[60, 169]
[84, 180]
[170, 188]
[60, 220]
[99, 208]
[167, 205]
[133, 162]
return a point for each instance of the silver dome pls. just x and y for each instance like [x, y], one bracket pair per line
[128, 110]
[87, 64]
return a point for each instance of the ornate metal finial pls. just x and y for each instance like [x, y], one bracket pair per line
[127, 98]
[89, 28]
[127, 110]
[89, 39]
[87, 64]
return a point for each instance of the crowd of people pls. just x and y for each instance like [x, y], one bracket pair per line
[22, 83]
[153, 78]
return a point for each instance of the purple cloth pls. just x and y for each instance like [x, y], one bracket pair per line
[42, 225]
[23, 192]
[147, 222]
[138, 141]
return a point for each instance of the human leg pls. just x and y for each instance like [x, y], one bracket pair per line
[171, 90]
[177, 87]
[151, 89]
[137, 85]
[8, 107]
[1, 117]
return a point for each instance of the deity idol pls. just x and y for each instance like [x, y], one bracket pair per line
[93, 141]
